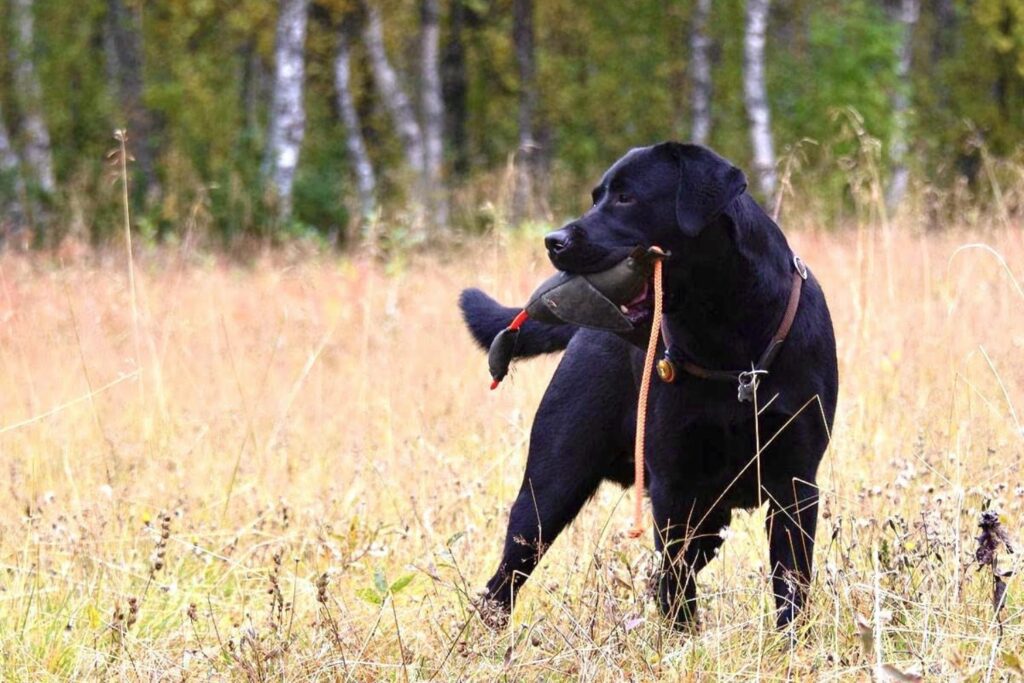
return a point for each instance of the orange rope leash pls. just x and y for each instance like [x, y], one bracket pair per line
[641, 408]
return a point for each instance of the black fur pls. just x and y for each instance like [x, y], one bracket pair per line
[485, 318]
[726, 287]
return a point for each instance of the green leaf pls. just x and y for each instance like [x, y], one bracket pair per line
[380, 582]
[369, 595]
[454, 537]
[401, 583]
[1011, 660]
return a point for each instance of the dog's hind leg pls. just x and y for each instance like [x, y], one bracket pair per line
[792, 518]
[577, 434]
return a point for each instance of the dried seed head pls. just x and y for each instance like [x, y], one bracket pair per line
[321, 588]
[133, 611]
[157, 562]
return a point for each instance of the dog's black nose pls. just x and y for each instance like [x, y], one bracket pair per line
[559, 240]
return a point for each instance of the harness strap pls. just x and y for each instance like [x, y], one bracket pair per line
[745, 378]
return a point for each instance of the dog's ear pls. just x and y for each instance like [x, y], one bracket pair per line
[707, 185]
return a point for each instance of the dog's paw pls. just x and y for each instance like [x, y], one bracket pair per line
[691, 624]
[493, 613]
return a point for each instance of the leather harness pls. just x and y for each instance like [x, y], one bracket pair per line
[746, 380]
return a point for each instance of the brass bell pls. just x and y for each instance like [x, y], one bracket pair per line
[666, 370]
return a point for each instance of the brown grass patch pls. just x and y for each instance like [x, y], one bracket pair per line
[290, 442]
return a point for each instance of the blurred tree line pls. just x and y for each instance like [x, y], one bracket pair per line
[386, 120]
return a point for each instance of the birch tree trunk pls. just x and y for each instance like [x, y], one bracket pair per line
[700, 46]
[37, 150]
[755, 95]
[907, 15]
[287, 112]
[125, 64]
[399, 107]
[12, 188]
[523, 203]
[366, 181]
[433, 112]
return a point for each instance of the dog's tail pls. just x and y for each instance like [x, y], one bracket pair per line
[485, 318]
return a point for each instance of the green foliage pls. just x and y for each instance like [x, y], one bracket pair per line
[848, 60]
[380, 590]
[605, 78]
[610, 76]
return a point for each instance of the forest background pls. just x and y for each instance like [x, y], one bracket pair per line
[405, 122]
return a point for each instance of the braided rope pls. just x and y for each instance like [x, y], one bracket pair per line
[641, 409]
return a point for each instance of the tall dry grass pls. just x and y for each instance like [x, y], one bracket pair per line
[297, 472]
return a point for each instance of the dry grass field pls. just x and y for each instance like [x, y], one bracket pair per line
[294, 470]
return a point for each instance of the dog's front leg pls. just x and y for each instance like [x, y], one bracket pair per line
[687, 533]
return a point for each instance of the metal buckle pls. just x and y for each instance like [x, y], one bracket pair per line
[748, 381]
[801, 269]
[666, 370]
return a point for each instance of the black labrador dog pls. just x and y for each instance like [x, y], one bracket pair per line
[727, 283]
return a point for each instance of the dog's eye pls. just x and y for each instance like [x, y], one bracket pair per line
[624, 198]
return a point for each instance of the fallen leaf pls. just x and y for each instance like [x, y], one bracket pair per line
[1011, 660]
[891, 673]
[633, 623]
[866, 634]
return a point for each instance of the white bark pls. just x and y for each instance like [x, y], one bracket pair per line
[392, 94]
[756, 97]
[37, 149]
[10, 179]
[366, 181]
[287, 113]
[433, 112]
[909, 10]
[399, 107]
[700, 45]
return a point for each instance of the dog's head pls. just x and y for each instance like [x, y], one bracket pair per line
[662, 195]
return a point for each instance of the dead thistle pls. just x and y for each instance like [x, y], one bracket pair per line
[987, 555]
[122, 621]
[327, 618]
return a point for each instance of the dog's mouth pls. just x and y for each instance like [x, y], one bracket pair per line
[640, 308]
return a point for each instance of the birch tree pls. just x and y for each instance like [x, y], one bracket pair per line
[37, 150]
[755, 95]
[907, 15]
[400, 108]
[523, 204]
[287, 112]
[433, 112]
[123, 38]
[366, 181]
[12, 188]
[700, 46]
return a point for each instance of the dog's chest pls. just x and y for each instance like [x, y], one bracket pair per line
[706, 451]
